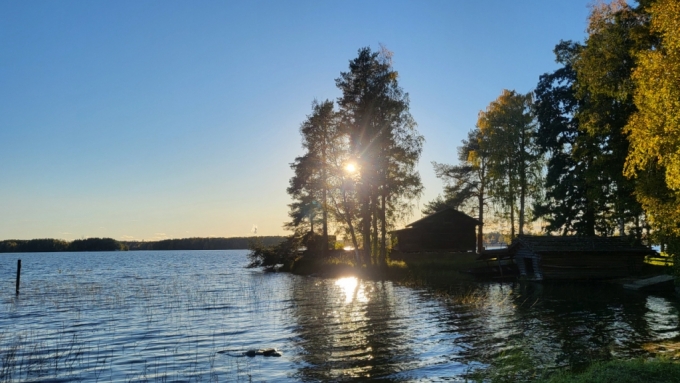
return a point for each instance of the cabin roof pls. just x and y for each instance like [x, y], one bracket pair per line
[445, 215]
[578, 244]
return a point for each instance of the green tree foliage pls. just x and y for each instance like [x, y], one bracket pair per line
[608, 126]
[573, 193]
[310, 185]
[616, 32]
[514, 165]
[384, 143]
[582, 109]
[466, 183]
[321, 186]
[654, 128]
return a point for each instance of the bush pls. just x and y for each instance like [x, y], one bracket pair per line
[275, 257]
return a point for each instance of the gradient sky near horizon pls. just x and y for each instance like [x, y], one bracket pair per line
[151, 120]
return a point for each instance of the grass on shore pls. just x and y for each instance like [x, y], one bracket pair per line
[623, 371]
[518, 366]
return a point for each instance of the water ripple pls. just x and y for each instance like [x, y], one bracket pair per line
[171, 316]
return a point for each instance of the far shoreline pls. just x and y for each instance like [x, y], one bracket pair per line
[51, 245]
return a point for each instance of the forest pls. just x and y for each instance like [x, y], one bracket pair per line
[110, 244]
[213, 243]
[592, 150]
[48, 245]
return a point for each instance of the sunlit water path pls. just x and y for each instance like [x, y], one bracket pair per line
[170, 316]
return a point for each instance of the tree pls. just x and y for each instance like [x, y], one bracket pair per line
[466, 181]
[310, 185]
[439, 203]
[346, 212]
[572, 185]
[654, 128]
[604, 84]
[582, 109]
[343, 189]
[383, 142]
[514, 165]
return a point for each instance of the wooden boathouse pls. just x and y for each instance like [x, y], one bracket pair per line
[446, 230]
[577, 257]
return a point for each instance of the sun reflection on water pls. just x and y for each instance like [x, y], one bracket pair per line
[352, 289]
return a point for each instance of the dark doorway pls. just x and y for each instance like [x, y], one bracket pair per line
[529, 265]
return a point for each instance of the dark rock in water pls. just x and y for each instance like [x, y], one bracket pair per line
[271, 352]
[264, 352]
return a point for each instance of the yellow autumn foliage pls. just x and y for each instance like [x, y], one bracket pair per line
[654, 130]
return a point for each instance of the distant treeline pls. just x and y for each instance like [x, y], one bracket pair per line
[234, 243]
[110, 244]
[53, 245]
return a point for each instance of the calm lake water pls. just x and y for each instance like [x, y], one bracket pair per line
[186, 315]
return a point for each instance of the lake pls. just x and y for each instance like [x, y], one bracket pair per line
[188, 316]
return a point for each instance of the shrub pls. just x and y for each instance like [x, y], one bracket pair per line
[271, 258]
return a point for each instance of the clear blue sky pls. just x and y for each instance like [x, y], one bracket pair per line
[169, 119]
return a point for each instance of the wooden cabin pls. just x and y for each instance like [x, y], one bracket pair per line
[445, 230]
[551, 258]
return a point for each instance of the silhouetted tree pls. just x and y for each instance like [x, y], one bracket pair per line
[384, 143]
[574, 202]
[467, 181]
[311, 183]
[604, 66]
[508, 129]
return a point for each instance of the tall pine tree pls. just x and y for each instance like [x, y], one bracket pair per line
[384, 143]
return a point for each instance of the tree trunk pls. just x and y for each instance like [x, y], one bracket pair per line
[590, 205]
[521, 212]
[366, 223]
[383, 231]
[590, 219]
[324, 227]
[522, 179]
[346, 214]
[512, 219]
[350, 225]
[374, 230]
[511, 195]
[480, 228]
[522, 196]
[324, 208]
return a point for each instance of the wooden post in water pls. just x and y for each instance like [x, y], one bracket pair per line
[18, 274]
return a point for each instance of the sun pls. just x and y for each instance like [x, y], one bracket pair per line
[350, 168]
